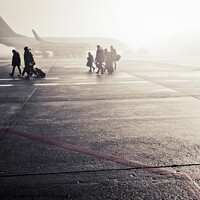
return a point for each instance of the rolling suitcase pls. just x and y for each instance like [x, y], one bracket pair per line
[39, 73]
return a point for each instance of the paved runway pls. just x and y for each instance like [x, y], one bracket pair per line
[77, 135]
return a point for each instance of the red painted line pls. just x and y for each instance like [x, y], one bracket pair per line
[192, 188]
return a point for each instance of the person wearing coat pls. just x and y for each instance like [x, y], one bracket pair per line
[16, 61]
[90, 60]
[114, 56]
[99, 59]
[109, 63]
[28, 62]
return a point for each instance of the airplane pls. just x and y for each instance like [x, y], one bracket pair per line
[11, 39]
[62, 46]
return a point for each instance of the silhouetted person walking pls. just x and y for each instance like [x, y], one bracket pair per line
[16, 61]
[90, 60]
[114, 56]
[109, 63]
[28, 62]
[32, 62]
[106, 53]
[99, 59]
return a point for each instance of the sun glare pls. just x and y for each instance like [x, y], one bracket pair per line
[147, 19]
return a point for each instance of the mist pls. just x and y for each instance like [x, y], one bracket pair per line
[147, 27]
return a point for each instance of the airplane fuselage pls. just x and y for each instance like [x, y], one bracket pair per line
[20, 42]
[68, 46]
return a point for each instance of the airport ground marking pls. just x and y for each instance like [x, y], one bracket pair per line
[7, 85]
[188, 183]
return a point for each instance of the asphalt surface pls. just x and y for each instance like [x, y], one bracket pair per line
[76, 135]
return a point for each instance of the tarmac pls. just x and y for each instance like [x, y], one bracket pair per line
[78, 135]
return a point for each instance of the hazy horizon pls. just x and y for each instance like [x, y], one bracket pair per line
[137, 23]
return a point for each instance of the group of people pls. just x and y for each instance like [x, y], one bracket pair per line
[104, 60]
[28, 64]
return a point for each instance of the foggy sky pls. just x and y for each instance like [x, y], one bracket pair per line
[132, 21]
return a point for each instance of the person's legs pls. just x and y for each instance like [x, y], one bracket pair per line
[24, 71]
[101, 67]
[115, 65]
[19, 70]
[13, 71]
[98, 66]
[27, 70]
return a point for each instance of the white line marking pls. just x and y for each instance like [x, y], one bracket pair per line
[122, 75]
[46, 84]
[9, 79]
[6, 85]
[56, 78]
[73, 66]
[157, 75]
[83, 77]
[130, 82]
[176, 80]
[86, 83]
[175, 63]
[188, 75]
[164, 90]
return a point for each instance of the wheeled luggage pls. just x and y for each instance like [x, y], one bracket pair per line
[39, 73]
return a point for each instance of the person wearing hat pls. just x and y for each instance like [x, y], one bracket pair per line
[16, 61]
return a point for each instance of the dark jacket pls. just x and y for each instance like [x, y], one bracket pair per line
[109, 60]
[99, 55]
[16, 61]
[113, 54]
[28, 58]
[90, 60]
